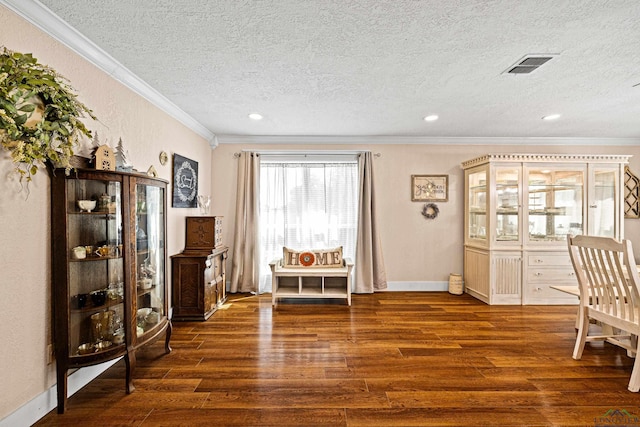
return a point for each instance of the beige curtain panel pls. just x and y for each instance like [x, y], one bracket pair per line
[245, 267]
[370, 275]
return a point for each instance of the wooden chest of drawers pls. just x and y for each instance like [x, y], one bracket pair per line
[203, 233]
[198, 283]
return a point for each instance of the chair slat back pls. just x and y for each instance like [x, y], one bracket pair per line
[607, 275]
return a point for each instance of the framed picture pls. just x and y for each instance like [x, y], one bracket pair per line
[185, 182]
[429, 188]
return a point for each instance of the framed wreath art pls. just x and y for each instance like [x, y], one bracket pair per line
[430, 211]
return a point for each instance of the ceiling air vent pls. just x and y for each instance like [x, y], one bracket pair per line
[528, 64]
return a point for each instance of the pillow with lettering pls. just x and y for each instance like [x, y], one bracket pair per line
[319, 258]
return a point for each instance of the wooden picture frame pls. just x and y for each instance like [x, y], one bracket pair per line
[185, 182]
[429, 188]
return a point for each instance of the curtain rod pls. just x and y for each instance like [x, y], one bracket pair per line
[306, 153]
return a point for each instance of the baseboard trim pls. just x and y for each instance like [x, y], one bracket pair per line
[417, 286]
[29, 413]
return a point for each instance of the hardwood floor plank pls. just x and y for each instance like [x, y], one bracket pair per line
[451, 417]
[230, 417]
[282, 385]
[296, 398]
[391, 359]
[451, 383]
[475, 399]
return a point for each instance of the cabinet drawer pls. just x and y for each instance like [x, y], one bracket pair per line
[537, 293]
[552, 275]
[549, 259]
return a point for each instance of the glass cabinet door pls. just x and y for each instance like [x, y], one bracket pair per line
[96, 268]
[149, 258]
[555, 204]
[477, 228]
[507, 204]
[602, 202]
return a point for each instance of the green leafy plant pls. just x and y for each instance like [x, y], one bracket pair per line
[39, 114]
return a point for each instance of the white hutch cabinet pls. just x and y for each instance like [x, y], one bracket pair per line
[519, 209]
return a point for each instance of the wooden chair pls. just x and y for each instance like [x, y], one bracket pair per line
[609, 294]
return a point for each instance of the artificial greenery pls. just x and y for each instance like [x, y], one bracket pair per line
[39, 114]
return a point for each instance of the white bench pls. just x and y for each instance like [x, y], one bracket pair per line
[310, 282]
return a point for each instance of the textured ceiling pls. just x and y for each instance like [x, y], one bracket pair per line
[377, 67]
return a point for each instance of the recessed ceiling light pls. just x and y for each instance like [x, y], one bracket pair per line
[551, 117]
[431, 118]
[255, 116]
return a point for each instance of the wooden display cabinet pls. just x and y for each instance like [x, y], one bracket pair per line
[108, 269]
[198, 283]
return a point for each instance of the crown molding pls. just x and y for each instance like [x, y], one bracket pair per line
[533, 158]
[43, 18]
[427, 140]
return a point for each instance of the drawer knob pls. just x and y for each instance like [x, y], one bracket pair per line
[538, 260]
[538, 274]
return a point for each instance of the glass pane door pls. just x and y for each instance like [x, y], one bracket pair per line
[149, 258]
[602, 207]
[555, 204]
[478, 205]
[507, 204]
[96, 268]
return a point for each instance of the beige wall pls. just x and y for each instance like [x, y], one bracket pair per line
[415, 249]
[25, 314]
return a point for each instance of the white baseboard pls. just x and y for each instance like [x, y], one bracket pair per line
[417, 286]
[42, 404]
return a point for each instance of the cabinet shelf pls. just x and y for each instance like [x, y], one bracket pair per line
[98, 356]
[107, 215]
[95, 258]
[547, 212]
[89, 307]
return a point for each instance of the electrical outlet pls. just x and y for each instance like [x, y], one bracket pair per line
[50, 355]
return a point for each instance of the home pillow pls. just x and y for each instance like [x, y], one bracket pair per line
[319, 258]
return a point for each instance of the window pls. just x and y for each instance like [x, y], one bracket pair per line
[306, 203]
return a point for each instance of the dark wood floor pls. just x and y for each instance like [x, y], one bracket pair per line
[391, 359]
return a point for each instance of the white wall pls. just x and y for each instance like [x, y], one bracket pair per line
[25, 300]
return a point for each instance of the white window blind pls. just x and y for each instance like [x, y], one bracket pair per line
[306, 203]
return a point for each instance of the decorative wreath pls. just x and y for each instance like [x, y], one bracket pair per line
[307, 259]
[430, 211]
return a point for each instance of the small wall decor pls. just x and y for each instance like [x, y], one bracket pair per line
[163, 158]
[430, 211]
[105, 160]
[429, 188]
[122, 158]
[185, 182]
[631, 194]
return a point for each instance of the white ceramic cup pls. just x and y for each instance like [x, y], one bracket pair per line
[79, 252]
